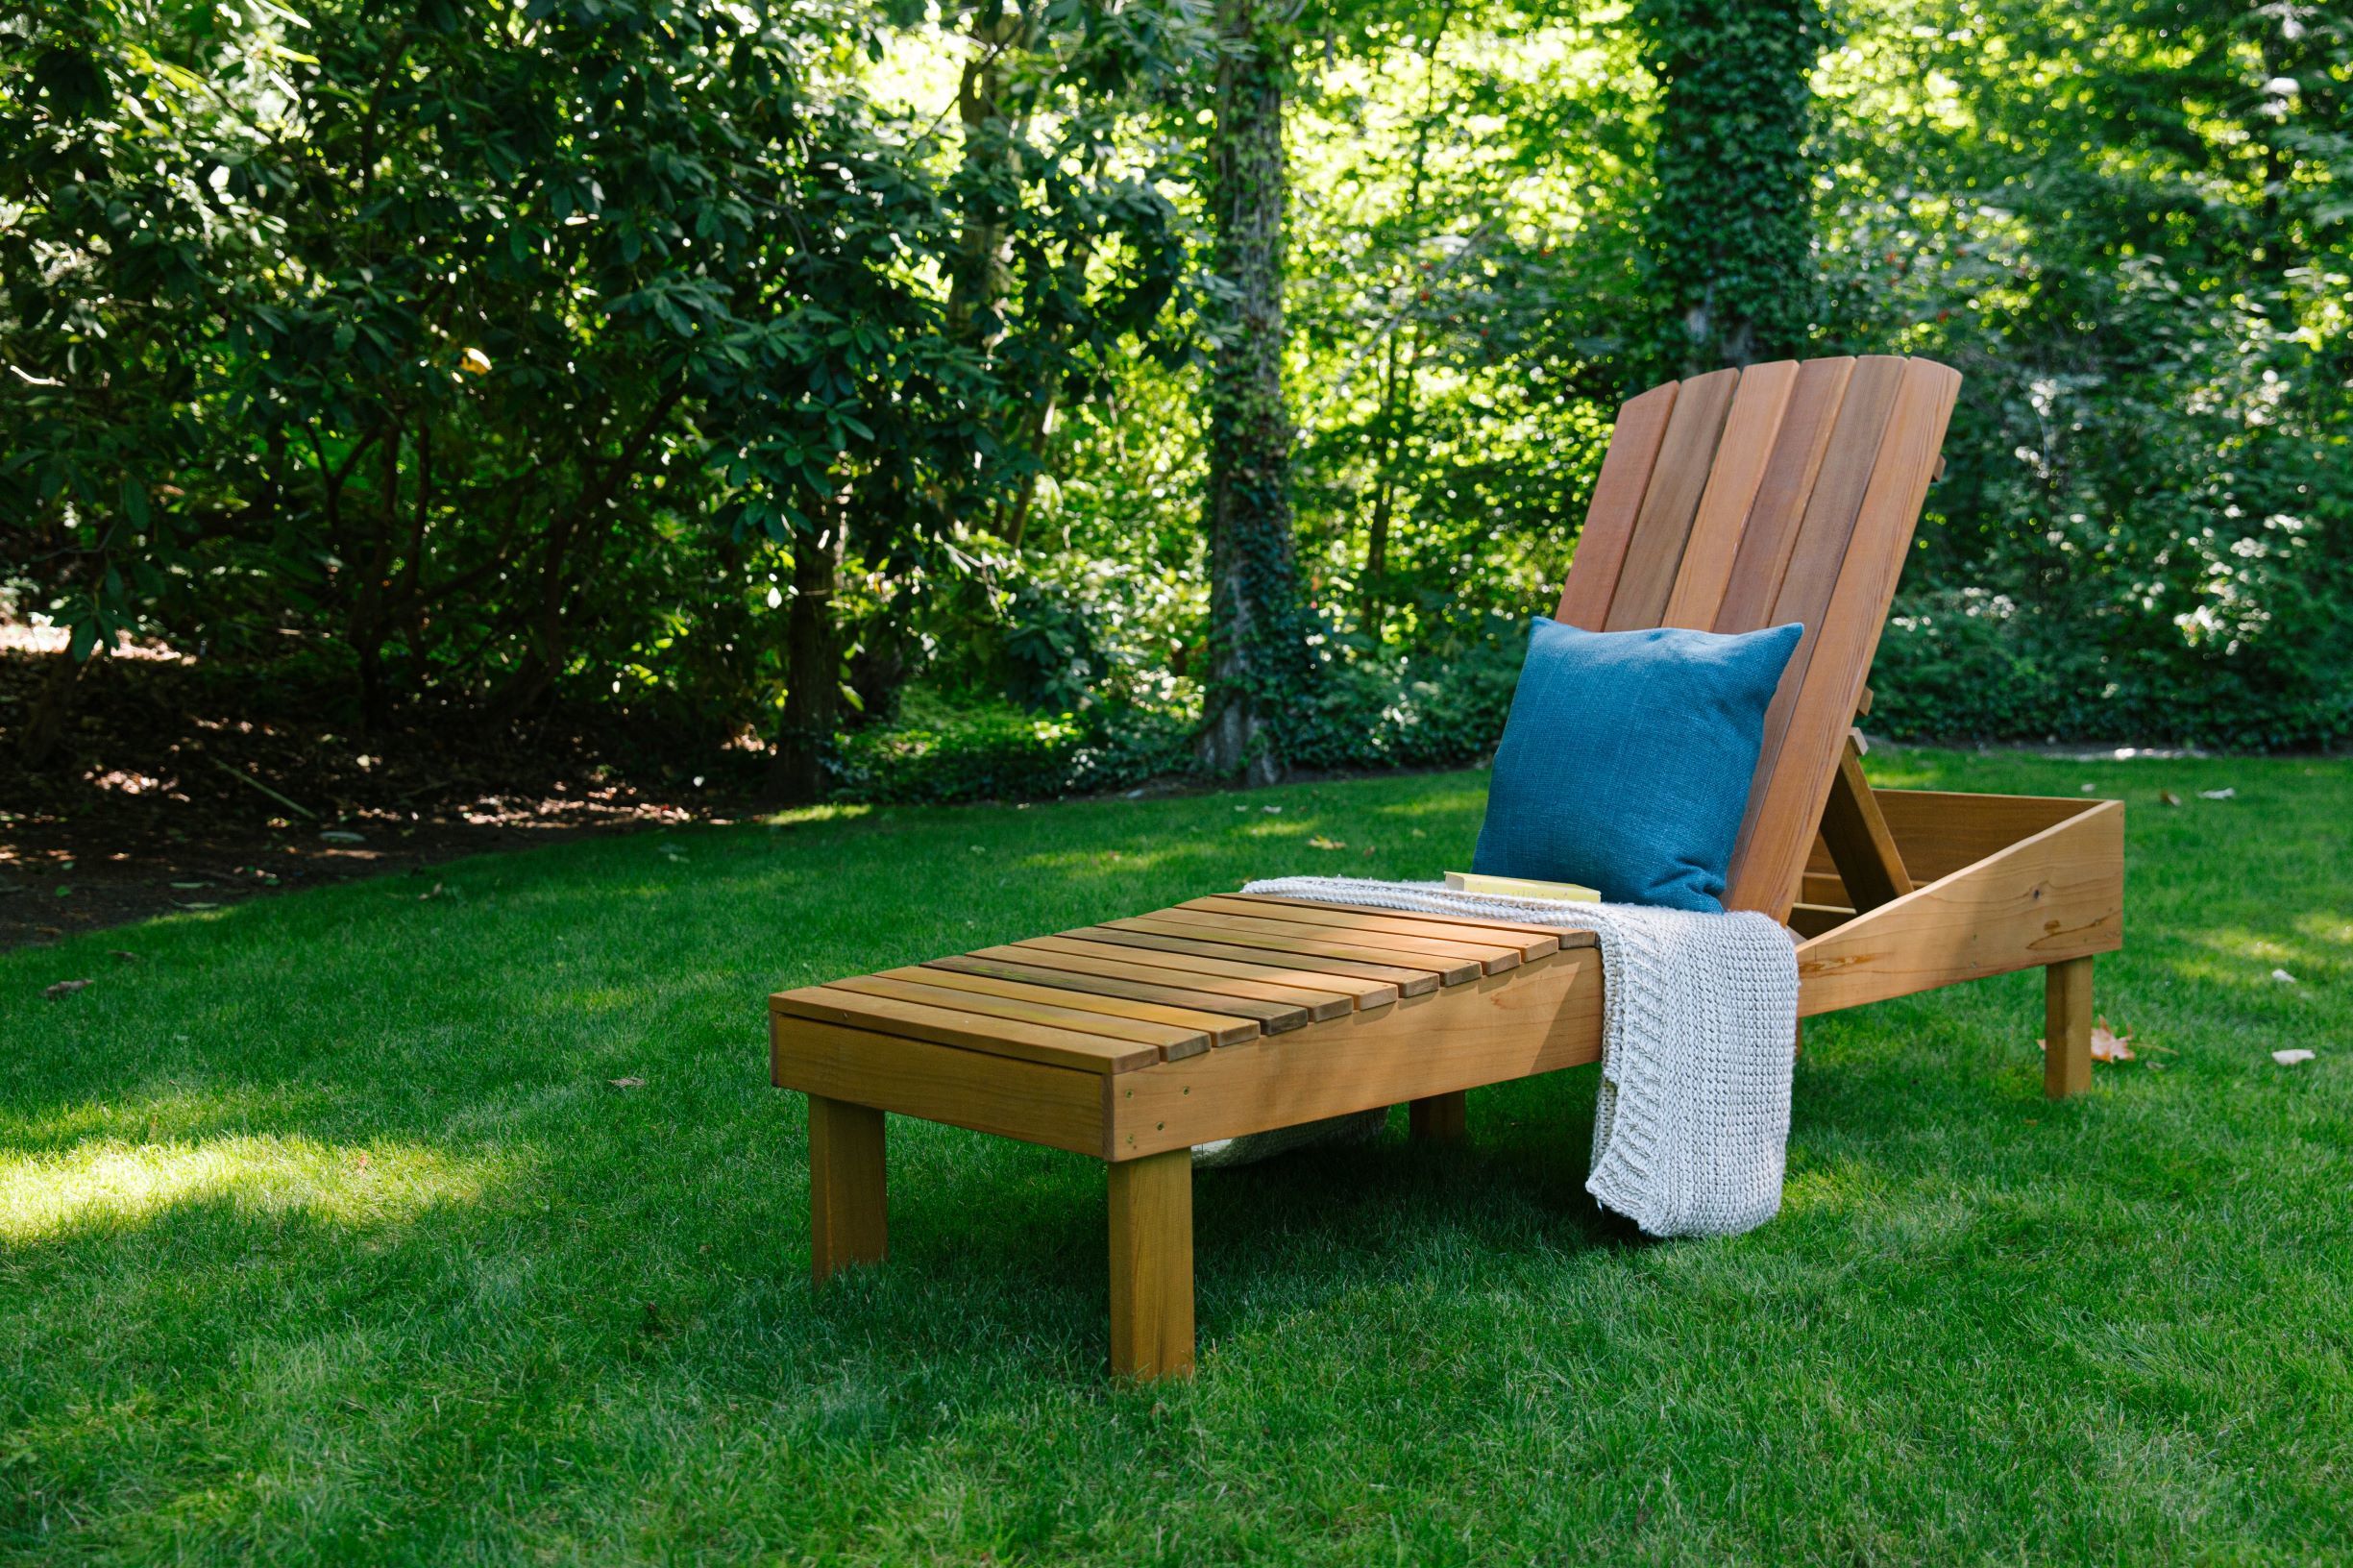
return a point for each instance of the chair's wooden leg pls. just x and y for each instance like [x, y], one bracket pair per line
[845, 1186]
[1440, 1118]
[1152, 1266]
[2066, 1028]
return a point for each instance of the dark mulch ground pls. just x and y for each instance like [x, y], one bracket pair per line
[168, 794]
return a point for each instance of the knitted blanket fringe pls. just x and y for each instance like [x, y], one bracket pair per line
[1691, 1130]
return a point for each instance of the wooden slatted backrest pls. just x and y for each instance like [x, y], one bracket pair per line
[1752, 498]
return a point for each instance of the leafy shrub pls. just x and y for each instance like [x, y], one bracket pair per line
[1391, 710]
[1972, 665]
[940, 755]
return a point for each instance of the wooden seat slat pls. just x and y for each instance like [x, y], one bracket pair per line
[1325, 995]
[1490, 955]
[1274, 1017]
[1346, 917]
[1222, 1028]
[962, 1027]
[1128, 934]
[1050, 1014]
[1451, 971]
[1566, 935]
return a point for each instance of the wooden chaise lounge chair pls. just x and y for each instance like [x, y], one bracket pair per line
[1738, 499]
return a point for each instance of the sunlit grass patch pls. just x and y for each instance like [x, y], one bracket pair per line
[104, 1184]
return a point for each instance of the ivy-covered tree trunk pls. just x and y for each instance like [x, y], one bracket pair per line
[1730, 228]
[1255, 646]
[812, 668]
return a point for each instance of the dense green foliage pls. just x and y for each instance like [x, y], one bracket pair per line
[739, 372]
[1732, 223]
[318, 1247]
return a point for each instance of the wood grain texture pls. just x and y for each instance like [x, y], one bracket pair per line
[1940, 831]
[1664, 526]
[1565, 935]
[1221, 1028]
[967, 1028]
[1151, 1212]
[1617, 497]
[1770, 531]
[1543, 1015]
[1060, 1107]
[1810, 715]
[1317, 988]
[1810, 919]
[1270, 1016]
[1530, 943]
[2066, 1028]
[1861, 844]
[1391, 946]
[847, 1203]
[2055, 896]
[1751, 429]
[1299, 953]
[1054, 1015]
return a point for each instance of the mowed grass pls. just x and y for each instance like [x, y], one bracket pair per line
[326, 1237]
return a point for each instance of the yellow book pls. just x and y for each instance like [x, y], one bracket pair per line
[1520, 887]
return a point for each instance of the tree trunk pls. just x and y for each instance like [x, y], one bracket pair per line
[1256, 650]
[1395, 422]
[812, 670]
[1730, 228]
[981, 275]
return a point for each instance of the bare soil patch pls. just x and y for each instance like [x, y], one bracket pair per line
[169, 793]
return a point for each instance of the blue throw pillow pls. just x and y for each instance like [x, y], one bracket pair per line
[1626, 761]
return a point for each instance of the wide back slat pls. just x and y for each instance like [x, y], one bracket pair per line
[1749, 499]
[1661, 527]
[1771, 530]
[1617, 496]
[1704, 566]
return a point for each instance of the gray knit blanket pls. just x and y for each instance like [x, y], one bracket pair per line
[1700, 1024]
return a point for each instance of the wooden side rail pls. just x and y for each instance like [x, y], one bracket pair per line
[2054, 895]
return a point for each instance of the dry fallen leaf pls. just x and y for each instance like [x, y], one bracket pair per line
[2289, 1058]
[1272, 810]
[436, 894]
[122, 955]
[65, 987]
[626, 1083]
[2217, 795]
[2107, 1046]
[1320, 842]
[2169, 797]
[2283, 977]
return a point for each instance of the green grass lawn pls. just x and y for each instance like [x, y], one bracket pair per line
[325, 1236]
